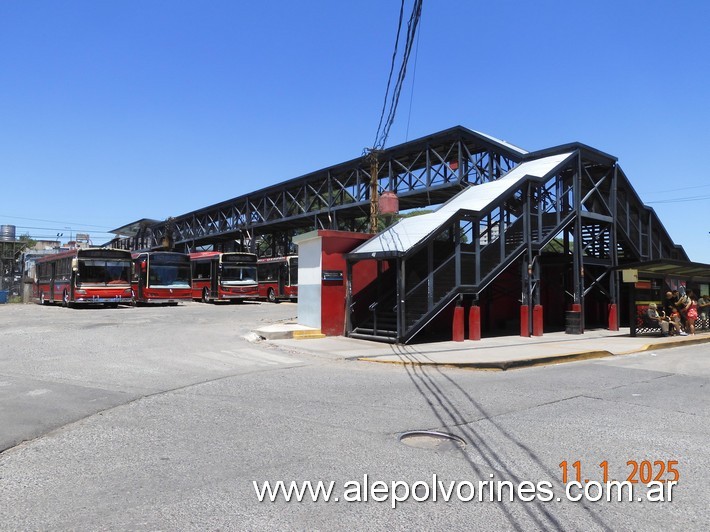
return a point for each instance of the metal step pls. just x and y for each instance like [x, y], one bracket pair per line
[379, 338]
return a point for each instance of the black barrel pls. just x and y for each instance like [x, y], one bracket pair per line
[573, 322]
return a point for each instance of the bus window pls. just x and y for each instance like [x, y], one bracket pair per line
[202, 270]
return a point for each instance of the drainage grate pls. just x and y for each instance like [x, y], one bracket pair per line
[429, 439]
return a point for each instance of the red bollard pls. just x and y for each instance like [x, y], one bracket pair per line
[457, 330]
[537, 320]
[524, 317]
[613, 320]
[474, 323]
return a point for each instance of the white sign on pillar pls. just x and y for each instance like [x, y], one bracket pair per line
[630, 276]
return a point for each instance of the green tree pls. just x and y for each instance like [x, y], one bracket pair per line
[27, 240]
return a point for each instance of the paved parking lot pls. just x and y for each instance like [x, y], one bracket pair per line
[163, 418]
[59, 365]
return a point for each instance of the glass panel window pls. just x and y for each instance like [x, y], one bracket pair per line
[103, 272]
[238, 275]
[169, 275]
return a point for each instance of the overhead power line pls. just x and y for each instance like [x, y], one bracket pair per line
[675, 189]
[389, 107]
[681, 200]
[389, 78]
[3, 216]
[74, 229]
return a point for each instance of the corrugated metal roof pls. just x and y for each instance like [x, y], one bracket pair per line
[669, 267]
[502, 142]
[408, 232]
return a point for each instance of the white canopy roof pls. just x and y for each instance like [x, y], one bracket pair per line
[408, 232]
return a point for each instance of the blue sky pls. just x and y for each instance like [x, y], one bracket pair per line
[115, 111]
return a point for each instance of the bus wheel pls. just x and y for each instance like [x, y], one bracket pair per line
[205, 295]
[271, 295]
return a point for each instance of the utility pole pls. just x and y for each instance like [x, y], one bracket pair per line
[374, 189]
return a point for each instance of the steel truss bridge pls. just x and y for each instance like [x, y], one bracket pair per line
[572, 204]
[424, 172]
[586, 210]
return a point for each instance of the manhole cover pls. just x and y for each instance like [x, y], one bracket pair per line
[429, 439]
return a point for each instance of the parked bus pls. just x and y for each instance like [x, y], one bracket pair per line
[278, 278]
[86, 276]
[218, 276]
[161, 277]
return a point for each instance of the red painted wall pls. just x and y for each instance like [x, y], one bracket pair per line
[335, 244]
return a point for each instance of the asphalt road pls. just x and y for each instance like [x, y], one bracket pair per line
[162, 418]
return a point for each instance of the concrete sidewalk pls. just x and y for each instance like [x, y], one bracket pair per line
[500, 353]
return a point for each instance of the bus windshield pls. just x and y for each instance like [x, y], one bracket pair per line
[237, 275]
[93, 271]
[170, 275]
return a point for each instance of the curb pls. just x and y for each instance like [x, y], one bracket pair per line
[542, 360]
[502, 365]
[307, 335]
[274, 335]
[668, 345]
[292, 334]
[676, 343]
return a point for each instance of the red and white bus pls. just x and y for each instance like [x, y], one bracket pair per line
[84, 276]
[161, 277]
[278, 277]
[228, 276]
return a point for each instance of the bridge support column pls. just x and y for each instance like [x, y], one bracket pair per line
[457, 329]
[474, 323]
[613, 318]
[537, 320]
[524, 321]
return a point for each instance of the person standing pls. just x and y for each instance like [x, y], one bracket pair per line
[691, 312]
[688, 310]
[675, 322]
[669, 302]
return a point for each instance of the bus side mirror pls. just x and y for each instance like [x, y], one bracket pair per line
[75, 265]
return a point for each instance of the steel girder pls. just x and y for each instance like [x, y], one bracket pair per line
[10, 263]
[584, 212]
[422, 173]
[644, 236]
[10, 250]
[574, 204]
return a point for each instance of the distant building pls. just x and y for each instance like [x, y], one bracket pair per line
[42, 245]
